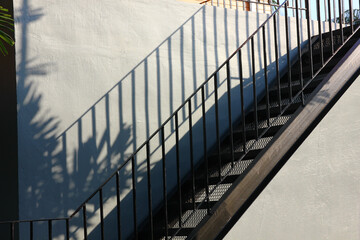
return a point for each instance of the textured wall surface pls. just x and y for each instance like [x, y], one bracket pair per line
[316, 194]
[95, 79]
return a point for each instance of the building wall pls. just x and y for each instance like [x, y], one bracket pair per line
[8, 139]
[316, 194]
[96, 79]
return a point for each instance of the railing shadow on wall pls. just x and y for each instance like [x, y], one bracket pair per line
[54, 163]
[155, 148]
[89, 162]
[35, 127]
[110, 221]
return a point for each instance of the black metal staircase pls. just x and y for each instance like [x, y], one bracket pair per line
[197, 206]
[271, 119]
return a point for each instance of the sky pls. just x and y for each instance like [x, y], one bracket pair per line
[324, 14]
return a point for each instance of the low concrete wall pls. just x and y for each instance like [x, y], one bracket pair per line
[316, 194]
[95, 80]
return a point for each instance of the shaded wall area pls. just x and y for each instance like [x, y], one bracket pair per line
[92, 86]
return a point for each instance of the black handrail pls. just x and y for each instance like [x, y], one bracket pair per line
[188, 101]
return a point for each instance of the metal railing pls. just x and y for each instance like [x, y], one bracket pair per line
[212, 82]
[265, 6]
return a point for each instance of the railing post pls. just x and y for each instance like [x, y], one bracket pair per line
[118, 205]
[218, 147]
[84, 221]
[299, 53]
[334, 12]
[266, 79]
[178, 166]
[191, 156]
[242, 102]
[164, 181]
[50, 229]
[12, 231]
[308, 12]
[341, 21]
[31, 230]
[67, 229]
[254, 88]
[149, 190]
[133, 176]
[230, 115]
[101, 214]
[351, 16]
[320, 33]
[277, 57]
[330, 30]
[205, 149]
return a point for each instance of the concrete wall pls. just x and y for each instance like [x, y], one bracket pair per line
[95, 79]
[316, 194]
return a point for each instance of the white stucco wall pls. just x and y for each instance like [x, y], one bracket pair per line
[95, 79]
[316, 194]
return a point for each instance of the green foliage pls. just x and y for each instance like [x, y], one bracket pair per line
[346, 16]
[6, 25]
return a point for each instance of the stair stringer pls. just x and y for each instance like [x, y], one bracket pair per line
[247, 187]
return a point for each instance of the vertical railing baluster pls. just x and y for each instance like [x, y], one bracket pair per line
[118, 213]
[12, 231]
[164, 180]
[101, 213]
[84, 221]
[148, 168]
[266, 79]
[218, 147]
[31, 230]
[254, 88]
[299, 53]
[191, 156]
[343, 10]
[340, 22]
[277, 59]
[237, 5]
[134, 196]
[230, 114]
[308, 12]
[67, 229]
[205, 150]
[334, 12]
[223, 3]
[50, 229]
[289, 64]
[242, 102]
[330, 30]
[231, 4]
[178, 166]
[351, 16]
[320, 33]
